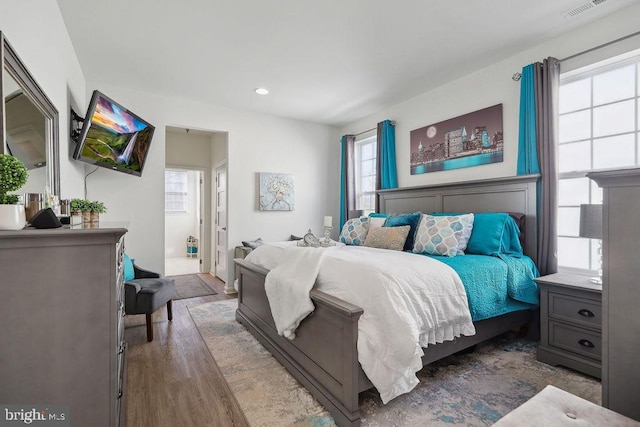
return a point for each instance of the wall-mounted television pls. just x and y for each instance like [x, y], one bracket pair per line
[113, 137]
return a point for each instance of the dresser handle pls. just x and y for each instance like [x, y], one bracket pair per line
[586, 343]
[120, 394]
[586, 313]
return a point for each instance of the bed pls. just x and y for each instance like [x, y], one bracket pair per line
[323, 356]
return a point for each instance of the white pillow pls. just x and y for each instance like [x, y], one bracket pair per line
[376, 221]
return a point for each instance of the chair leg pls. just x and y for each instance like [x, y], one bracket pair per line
[169, 311]
[149, 328]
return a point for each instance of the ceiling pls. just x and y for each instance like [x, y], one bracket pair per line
[330, 61]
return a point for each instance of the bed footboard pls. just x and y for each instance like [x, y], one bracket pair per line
[323, 356]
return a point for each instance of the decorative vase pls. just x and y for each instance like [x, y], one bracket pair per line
[86, 217]
[12, 217]
[95, 217]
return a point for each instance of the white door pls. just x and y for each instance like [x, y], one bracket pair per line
[200, 219]
[221, 223]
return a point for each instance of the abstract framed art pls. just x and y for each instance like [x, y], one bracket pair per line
[275, 192]
[469, 140]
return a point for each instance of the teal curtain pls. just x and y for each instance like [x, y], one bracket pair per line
[537, 146]
[347, 178]
[387, 173]
[387, 143]
[527, 141]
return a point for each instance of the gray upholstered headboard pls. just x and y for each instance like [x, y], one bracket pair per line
[514, 195]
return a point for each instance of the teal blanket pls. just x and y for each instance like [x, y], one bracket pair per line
[495, 285]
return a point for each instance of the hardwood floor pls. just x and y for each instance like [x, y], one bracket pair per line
[174, 380]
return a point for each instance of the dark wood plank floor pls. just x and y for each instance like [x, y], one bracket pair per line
[173, 380]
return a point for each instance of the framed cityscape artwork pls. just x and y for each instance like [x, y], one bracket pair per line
[470, 140]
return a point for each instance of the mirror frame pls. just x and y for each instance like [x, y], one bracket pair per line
[12, 64]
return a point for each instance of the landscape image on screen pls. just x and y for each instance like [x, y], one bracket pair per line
[117, 138]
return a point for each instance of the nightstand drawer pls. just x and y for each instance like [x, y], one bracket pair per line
[576, 340]
[575, 310]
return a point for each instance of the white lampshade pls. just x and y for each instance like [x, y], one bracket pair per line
[328, 221]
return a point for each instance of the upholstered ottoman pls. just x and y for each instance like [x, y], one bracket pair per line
[554, 407]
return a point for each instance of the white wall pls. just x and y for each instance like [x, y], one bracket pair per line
[36, 31]
[256, 143]
[180, 225]
[484, 88]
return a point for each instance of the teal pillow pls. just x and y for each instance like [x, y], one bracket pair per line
[412, 219]
[494, 234]
[129, 274]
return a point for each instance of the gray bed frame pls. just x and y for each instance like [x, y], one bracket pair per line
[324, 356]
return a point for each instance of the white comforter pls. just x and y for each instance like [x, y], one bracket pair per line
[409, 301]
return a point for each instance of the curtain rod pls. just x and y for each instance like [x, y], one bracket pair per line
[393, 122]
[518, 76]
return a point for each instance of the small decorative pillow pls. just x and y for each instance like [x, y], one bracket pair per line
[441, 235]
[253, 243]
[411, 219]
[388, 237]
[129, 272]
[354, 231]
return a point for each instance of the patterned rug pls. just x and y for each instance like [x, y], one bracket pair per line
[190, 286]
[474, 389]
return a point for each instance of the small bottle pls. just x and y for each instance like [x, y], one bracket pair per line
[47, 197]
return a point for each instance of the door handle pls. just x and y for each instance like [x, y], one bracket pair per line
[586, 343]
[586, 313]
[224, 228]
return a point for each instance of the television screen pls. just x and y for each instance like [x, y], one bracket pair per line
[113, 137]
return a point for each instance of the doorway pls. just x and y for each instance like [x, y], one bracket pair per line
[203, 151]
[183, 221]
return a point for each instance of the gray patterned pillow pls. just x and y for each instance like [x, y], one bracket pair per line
[443, 235]
[354, 231]
[392, 238]
[253, 243]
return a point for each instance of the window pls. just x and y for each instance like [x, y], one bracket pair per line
[365, 153]
[175, 190]
[599, 116]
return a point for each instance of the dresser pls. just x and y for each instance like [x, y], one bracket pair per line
[570, 322]
[62, 329]
[620, 290]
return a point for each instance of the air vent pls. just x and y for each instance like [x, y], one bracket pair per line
[581, 8]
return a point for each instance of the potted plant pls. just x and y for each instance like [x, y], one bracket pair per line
[13, 175]
[81, 207]
[96, 208]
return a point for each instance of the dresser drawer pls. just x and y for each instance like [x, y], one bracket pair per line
[580, 311]
[575, 340]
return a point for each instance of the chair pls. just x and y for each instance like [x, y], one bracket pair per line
[146, 293]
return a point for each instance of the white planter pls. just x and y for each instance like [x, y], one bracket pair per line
[12, 217]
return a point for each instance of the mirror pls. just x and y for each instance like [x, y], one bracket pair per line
[28, 123]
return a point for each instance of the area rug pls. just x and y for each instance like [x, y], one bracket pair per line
[473, 389]
[190, 286]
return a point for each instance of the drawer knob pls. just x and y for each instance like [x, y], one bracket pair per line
[586, 343]
[586, 313]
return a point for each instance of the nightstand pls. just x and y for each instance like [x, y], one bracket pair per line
[571, 322]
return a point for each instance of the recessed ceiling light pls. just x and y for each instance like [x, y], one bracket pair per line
[261, 91]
